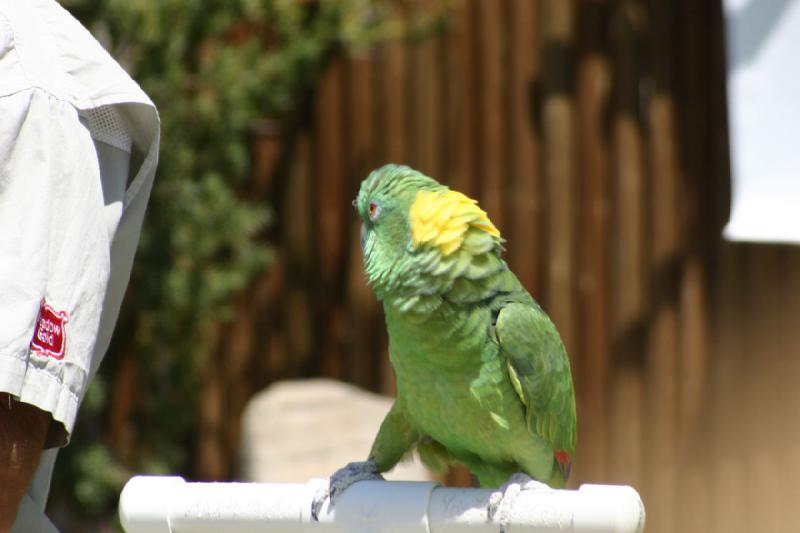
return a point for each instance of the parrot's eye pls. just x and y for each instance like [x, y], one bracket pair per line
[374, 210]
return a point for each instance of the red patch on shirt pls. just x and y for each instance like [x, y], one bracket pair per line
[50, 335]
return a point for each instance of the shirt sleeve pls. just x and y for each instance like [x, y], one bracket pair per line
[55, 258]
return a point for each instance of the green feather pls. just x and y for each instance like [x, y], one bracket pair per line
[482, 375]
[540, 367]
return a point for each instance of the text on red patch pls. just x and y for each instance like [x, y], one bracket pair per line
[50, 336]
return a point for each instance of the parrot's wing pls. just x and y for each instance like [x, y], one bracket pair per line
[539, 371]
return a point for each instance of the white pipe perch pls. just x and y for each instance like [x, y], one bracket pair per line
[155, 504]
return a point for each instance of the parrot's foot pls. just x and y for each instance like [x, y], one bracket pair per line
[340, 480]
[502, 500]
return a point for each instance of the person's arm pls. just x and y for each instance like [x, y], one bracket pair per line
[23, 429]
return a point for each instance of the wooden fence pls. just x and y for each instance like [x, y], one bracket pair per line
[593, 132]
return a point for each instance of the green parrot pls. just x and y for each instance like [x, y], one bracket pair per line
[483, 378]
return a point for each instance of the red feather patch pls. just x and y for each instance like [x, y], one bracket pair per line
[564, 462]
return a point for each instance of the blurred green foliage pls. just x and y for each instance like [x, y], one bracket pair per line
[213, 68]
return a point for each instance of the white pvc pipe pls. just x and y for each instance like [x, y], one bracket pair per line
[153, 504]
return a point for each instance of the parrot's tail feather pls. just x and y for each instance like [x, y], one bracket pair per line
[564, 463]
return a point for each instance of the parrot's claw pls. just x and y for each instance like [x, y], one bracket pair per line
[340, 480]
[358, 471]
[501, 502]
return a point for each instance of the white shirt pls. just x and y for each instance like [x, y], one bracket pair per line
[78, 152]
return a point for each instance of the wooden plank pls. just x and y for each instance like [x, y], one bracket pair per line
[628, 168]
[763, 414]
[121, 429]
[394, 102]
[770, 373]
[492, 154]
[361, 142]
[629, 250]
[694, 448]
[300, 256]
[425, 113]
[235, 368]
[626, 398]
[277, 356]
[728, 484]
[525, 247]
[673, 270]
[663, 350]
[331, 203]
[661, 481]
[627, 287]
[329, 158]
[363, 365]
[461, 95]
[299, 229]
[211, 461]
[787, 342]
[558, 158]
[266, 151]
[594, 85]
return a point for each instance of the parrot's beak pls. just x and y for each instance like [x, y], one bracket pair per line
[363, 236]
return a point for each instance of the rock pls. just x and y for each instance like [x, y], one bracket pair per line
[297, 430]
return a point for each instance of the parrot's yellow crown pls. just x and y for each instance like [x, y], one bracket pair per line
[442, 218]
